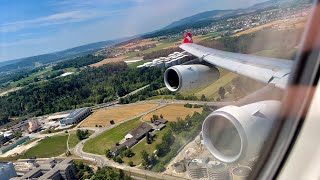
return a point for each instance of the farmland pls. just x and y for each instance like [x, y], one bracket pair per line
[107, 61]
[172, 112]
[117, 114]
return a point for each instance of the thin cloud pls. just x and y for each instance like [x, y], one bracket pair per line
[54, 19]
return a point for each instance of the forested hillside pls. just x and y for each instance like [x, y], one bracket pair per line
[79, 62]
[53, 57]
[91, 86]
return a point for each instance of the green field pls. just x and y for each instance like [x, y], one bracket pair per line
[48, 147]
[135, 64]
[109, 138]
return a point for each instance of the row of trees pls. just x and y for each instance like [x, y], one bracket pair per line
[86, 172]
[144, 94]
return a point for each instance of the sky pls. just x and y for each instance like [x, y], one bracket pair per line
[33, 27]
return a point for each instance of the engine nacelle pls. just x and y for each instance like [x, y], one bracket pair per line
[188, 77]
[234, 133]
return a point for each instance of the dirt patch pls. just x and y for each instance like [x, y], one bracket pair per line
[117, 114]
[106, 61]
[172, 112]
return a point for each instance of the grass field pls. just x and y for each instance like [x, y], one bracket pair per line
[172, 112]
[109, 138]
[117, 114]
[48, 147]
[211, 91]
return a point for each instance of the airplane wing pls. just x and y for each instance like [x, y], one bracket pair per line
[266, 70]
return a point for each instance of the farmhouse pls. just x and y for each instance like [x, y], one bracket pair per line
[133, 137]
[139, 132]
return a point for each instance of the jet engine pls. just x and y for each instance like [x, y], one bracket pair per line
[188, 77]
[235, 133]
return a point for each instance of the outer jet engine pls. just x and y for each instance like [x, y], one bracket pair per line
[188, 77]
[236, 133]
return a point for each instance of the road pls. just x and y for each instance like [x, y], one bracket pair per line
[101, 160]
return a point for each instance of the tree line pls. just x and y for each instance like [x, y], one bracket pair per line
[86, 172]
[79, 62]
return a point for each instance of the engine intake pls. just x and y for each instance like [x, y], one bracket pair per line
[234, 133]
[188, 77]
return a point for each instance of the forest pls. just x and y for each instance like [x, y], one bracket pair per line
[79, 62]
[91, 86]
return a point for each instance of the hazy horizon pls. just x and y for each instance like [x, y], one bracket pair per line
[34, 28]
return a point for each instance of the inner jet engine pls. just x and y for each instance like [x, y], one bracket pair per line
[188, 77]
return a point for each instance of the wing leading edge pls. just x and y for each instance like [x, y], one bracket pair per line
[266, 70]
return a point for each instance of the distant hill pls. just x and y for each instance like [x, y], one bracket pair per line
[217, 14]
[53, 57]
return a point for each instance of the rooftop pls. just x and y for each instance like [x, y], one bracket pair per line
[141, 130]
[76, 112]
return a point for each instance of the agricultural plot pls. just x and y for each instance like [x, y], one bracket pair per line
[104, 116]
[172, 112]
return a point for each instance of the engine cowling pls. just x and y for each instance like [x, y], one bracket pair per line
[188, 77]
[233, 134]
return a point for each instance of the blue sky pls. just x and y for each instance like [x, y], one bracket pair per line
[32, 27]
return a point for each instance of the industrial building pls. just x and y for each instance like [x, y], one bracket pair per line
[51, 169]
[28, 126]
[33, 125]
[165, 62]
[197, 169]
[7, 171]
[241, 173]
[9, 146]
[76, 116]
[203, 168]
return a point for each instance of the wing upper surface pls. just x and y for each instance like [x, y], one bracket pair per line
[267, 70]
